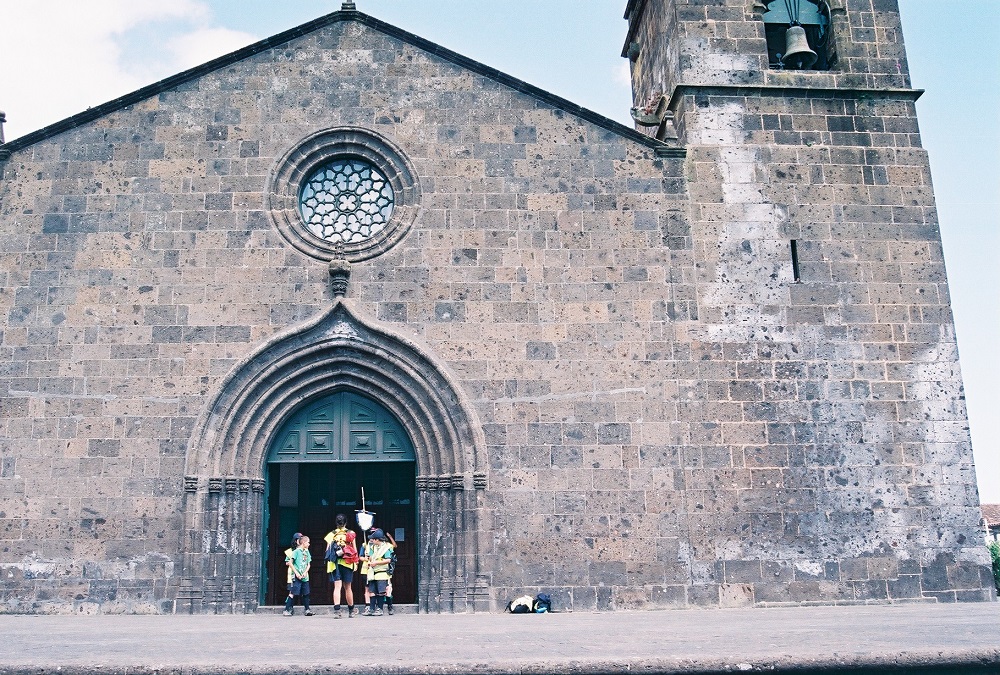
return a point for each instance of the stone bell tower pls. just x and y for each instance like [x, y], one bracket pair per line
[813, 232]
[681, 48]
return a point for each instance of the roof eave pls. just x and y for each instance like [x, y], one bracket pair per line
[90, 114]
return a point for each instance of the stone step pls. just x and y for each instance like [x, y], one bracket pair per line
[327, 610]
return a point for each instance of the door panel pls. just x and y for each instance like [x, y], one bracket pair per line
[343, 426]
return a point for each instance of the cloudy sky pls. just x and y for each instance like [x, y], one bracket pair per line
[59, 57]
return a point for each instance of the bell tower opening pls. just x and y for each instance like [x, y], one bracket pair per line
[318, 462]
[798, 34]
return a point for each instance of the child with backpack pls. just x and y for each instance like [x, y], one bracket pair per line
[390, 570]
[379, 553]
[299, 563]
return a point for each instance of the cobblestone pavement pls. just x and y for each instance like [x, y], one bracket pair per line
[791, 639]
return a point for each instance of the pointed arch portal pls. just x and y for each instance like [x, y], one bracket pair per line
[228, 453]
[321, 459]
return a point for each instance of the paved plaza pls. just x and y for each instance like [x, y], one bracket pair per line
[799, 639]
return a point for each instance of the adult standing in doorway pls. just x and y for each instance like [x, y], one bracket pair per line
[341, 561]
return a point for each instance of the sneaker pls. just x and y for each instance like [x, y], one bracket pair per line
[336, 614]
[309, 613]
[367, 612]
[287, 612]
[377, 612]
[390, 611]
[351, 612]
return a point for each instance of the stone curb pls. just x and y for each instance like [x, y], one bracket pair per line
[972, 661]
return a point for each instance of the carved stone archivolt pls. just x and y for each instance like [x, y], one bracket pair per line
[337, 351]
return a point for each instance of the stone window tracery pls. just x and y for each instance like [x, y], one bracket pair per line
[344, 193]
[346, 200]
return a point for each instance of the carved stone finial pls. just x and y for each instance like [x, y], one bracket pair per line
[3, 118]
[340, 274]
[348, 6]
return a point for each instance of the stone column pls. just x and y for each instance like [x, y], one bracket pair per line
[222, 540]
[189, 591]
[425, 545]
[479, 582]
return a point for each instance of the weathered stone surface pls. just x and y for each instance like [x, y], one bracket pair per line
[649, 409]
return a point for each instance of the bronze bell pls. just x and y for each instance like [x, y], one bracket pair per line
[798, 55]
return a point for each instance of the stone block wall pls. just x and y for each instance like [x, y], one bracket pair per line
[665, 418]
[857, 408]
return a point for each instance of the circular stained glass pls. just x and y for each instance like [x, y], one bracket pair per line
[346, 201]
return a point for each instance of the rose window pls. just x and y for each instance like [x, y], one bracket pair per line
[346, 201]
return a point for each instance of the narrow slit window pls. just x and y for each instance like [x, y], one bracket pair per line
[794, 246]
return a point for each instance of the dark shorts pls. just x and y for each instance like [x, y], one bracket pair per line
[341, 573]
[299, 587]
[378, 586]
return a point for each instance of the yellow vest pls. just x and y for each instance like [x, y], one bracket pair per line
[378, 552]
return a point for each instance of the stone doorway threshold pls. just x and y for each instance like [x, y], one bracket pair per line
[327, 610]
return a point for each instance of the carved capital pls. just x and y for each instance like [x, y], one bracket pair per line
[479, 480]
[190, 483]
[215, 485]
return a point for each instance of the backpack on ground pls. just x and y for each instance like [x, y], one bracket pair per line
[521, 605]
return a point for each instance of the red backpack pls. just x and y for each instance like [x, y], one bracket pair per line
[350, 550]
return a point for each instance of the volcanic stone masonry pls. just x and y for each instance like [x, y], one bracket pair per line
[707, 363]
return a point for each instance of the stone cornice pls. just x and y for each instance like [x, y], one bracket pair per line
[683, 89]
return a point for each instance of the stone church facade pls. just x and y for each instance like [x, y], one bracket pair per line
[705, 362]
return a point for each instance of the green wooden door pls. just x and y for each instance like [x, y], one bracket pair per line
[343, 427]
